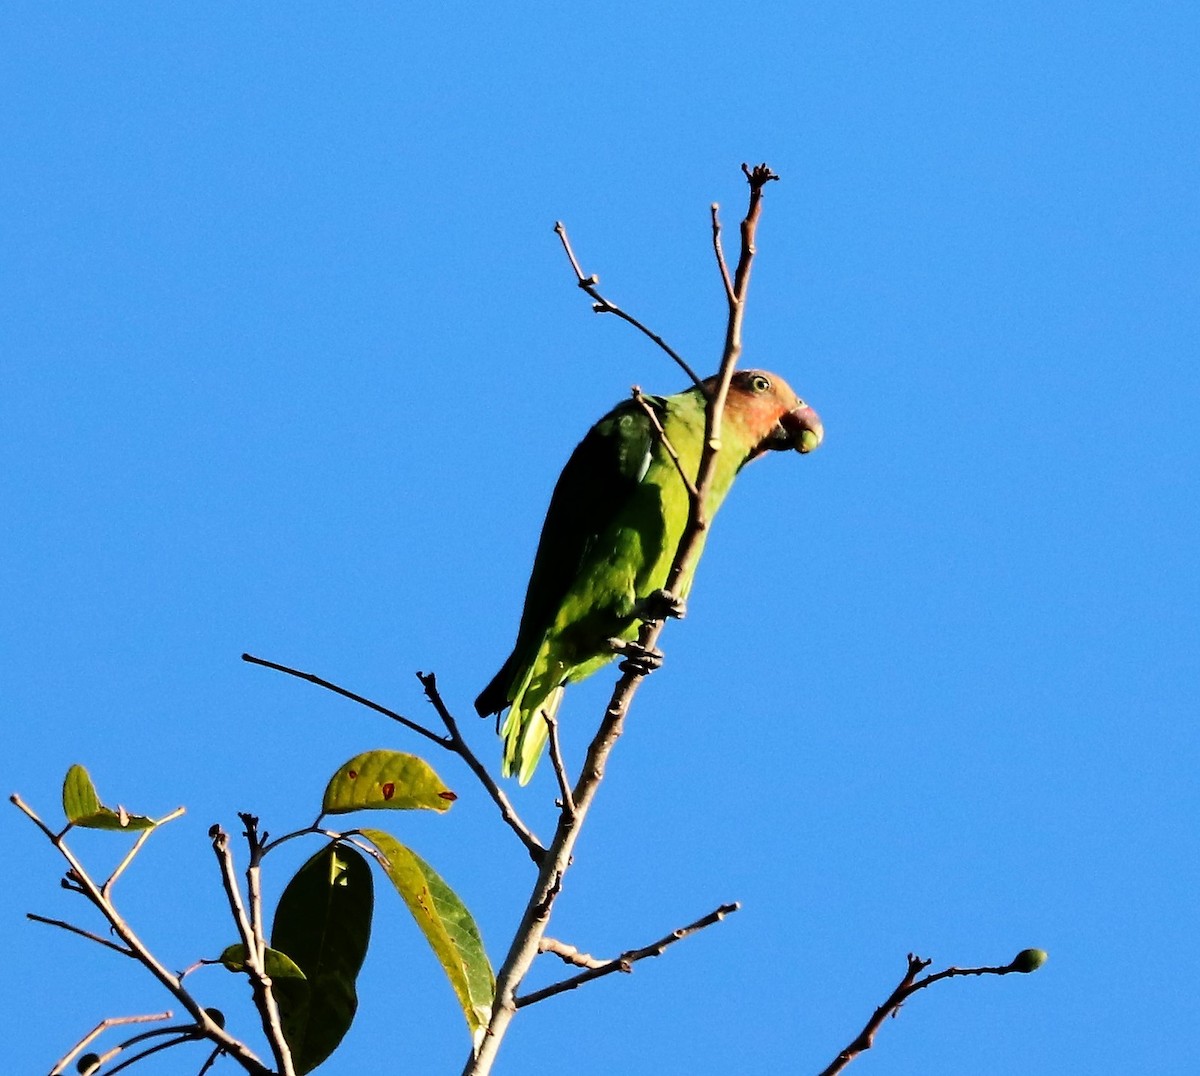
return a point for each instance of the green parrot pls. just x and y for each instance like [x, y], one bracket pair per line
[611, 532]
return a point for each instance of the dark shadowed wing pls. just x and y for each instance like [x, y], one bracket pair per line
[595, 485]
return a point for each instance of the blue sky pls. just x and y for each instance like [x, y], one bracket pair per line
[292, 360]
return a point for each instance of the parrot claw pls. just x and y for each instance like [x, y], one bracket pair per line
[638, 659]
[662, 605]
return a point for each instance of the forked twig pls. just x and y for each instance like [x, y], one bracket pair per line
[83, 883]
[249, 927]
[457, 744]
[453, 742]
[100, 1029]
[908, 986]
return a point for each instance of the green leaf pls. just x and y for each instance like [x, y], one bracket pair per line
[386, 780]
[323, 923]
[82, 806]
[446, 924]
[288, 982]
[278, 965]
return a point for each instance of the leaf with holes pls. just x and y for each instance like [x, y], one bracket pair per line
[323, 924]
[82, 806]
[386, 780]
[446, 924]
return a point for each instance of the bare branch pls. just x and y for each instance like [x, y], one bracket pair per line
[120, 868]
[269, 1006]
[668, 448]
[908, 986]
[129, 1062]
[100, 1028]
[454, 742]
[730, 296]
[533, 846]
[556, 760]
[627, 959]
[603, 306]
[569, 954]
[83, 883]
[420, 730]
[81, 932]
[233, 893]
[249, 927]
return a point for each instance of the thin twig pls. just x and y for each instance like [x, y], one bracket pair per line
[603, 306]
[129, 1062]
[454, 742]
[249, 927]
[627, 959]
[233, 893]
[84, 883]
[730, 295]
[664, 440]
[556, 760]
[101, 1028]
[212, 1060]
[269, 1008]
[307, 831]
[908, 986]
[459, 745]
[120, 868]
[421, 730]
[81, 932]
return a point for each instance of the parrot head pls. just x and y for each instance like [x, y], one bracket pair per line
[772, 415]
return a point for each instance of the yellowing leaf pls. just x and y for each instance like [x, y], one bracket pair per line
[446, 924]
[386, 780]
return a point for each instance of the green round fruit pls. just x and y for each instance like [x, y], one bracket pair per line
[1028, 960]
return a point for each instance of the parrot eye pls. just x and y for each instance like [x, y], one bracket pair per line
[759, 383]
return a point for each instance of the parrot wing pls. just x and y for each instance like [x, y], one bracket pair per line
[597, 483]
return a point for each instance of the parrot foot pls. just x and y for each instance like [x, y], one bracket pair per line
[638, 659]
[662, 605]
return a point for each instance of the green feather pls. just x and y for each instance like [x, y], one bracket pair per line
[611, 533]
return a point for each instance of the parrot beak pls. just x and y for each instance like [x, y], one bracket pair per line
[802, 429]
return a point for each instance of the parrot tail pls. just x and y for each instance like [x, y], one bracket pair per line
[525, 733]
